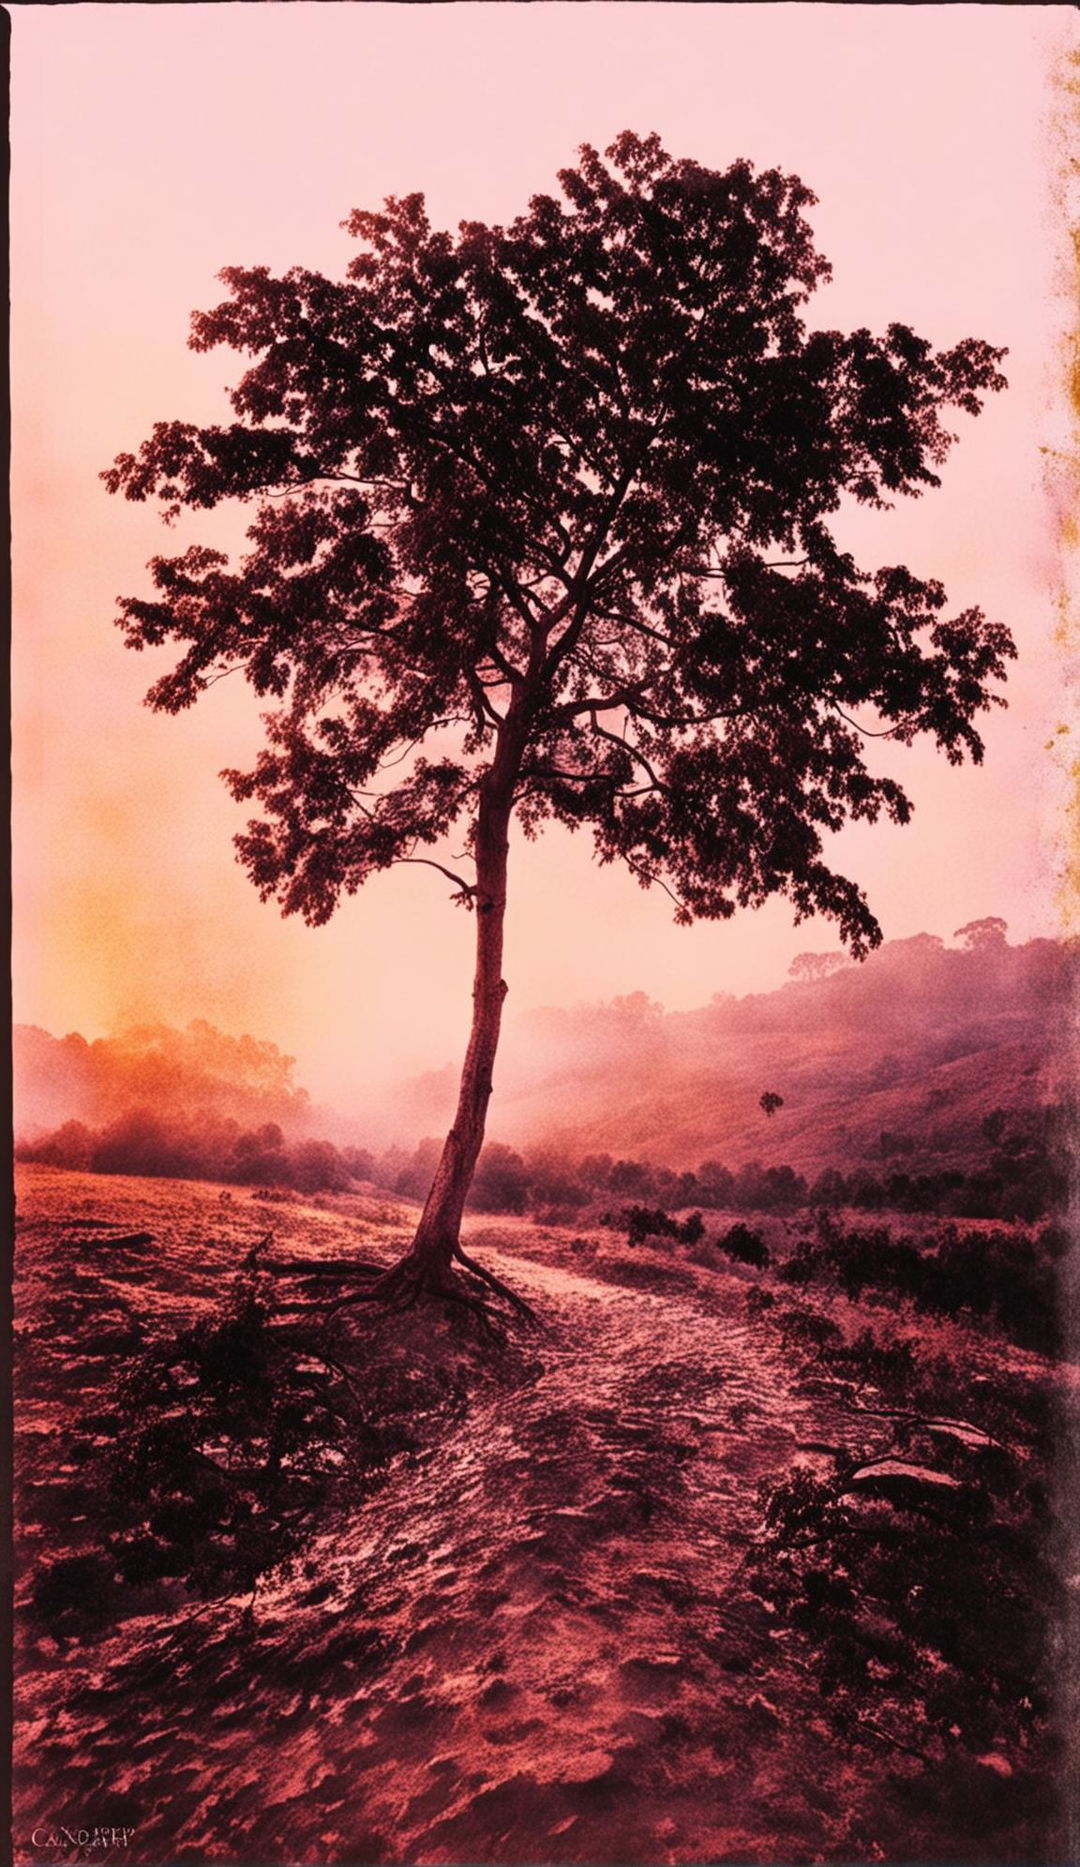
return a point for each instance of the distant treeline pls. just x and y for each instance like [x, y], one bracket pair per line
[1022, 1175]
[200, 1148]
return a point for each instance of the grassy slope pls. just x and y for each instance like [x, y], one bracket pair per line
[917, 1041]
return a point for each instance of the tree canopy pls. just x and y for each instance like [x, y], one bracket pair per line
[545, 510]
[977, 936]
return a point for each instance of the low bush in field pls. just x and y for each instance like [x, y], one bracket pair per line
[745, 1247]
[642, 1222]
[739, 1243]
[1007, 1278]
[879, 1359]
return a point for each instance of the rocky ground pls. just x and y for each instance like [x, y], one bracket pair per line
[532, 1641]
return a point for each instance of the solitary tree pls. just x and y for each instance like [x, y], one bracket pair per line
[985, 935]
[542, 531]
[810, 966]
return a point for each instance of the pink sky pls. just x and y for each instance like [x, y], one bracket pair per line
[154, 144]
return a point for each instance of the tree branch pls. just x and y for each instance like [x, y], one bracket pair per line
[866, 732]
[466, 890]
[633, 752]
[632, 697]
[652, 878]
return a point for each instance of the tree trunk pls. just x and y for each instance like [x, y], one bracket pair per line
[440, 1223]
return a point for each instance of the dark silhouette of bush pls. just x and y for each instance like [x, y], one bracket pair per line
[766, 1189]
[317, 1166]
[630, 1176]
[808, 1330]
[143, 1143]
[745, 1247]
[71, 1145]
[413, 1179]
[829, 1189]
[886, 1585]
[1003, 1278]
[642, 1222]
[886, 1361]
[715, 1183]
[359, 1163]
[594, 1171]
[75, 1596]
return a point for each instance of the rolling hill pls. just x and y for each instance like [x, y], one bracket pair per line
[919, 1044]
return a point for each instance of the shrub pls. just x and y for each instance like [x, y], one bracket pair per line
[644, 1222]
[890, 1591]
[203, 1147]
[74, 1597]
[1004, 1278]
[641, 1222]
[71, 1145]
[745, 1247]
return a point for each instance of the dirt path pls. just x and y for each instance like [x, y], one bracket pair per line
[529, 1645]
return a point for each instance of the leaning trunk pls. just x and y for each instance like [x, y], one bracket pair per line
[440, 1223]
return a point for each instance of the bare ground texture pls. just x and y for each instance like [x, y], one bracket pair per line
[561, 1622]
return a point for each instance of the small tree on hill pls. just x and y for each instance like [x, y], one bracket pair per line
[542, 531]
[979, 936]
[811, 966]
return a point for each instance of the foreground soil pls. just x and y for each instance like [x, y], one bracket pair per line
[530, 1643]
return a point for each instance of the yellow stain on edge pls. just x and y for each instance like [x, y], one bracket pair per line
[1064, 468]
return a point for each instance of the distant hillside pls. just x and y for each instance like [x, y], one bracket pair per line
[901, 1060]
[906, 1054]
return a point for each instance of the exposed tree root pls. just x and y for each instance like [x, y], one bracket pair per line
[324, 1267]
[402, 1286]
[496, 1283]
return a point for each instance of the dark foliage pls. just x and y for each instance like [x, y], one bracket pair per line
[1005, 1278]
[642, 1222]
[1025, 1175]
[1026, 1179]
[231, 1442]
[227, 1445]
[74, 1597]
[502, 1182]
[518, 472]
[200, 1148]
[884, 1569]
[744, 1246]
[886, 1361]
